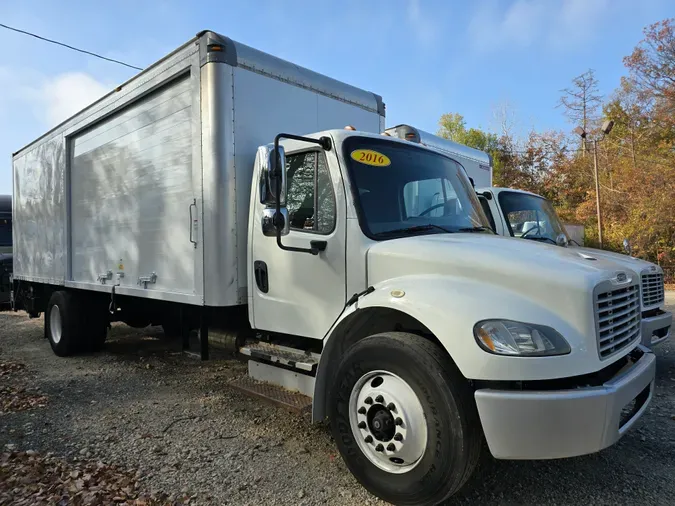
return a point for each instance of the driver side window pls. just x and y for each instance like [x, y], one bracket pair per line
[310, 199]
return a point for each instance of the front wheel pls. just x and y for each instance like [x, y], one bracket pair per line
[404, 419]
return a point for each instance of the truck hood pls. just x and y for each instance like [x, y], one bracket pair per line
[449, 282]
[490, 258]
[633, 263]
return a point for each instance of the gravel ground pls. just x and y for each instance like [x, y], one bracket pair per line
[173, 424]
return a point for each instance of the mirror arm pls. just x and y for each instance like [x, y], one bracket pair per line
[326, 144]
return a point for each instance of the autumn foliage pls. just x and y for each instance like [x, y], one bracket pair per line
[636, 160]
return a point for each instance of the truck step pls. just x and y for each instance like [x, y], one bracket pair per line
[292, 401]
[291, 357]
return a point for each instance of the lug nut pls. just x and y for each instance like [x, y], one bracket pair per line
[398, 437]
[368, 439]
[379, 398]
[362, 425]
[379, 448]
[391, 406]
[398, 421]
[391, 447]
[362, 410]
[368, 400]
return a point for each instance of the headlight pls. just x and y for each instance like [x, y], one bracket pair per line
[506, 337]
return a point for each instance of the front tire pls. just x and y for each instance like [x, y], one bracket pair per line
[62, 325]
[404, 419]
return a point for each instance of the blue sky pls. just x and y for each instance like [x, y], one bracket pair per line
[425, 57]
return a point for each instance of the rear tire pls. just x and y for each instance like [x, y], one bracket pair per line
[388, 379]
[62, 327]
[94, 325]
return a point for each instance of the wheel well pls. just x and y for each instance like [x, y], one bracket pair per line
[359, 325]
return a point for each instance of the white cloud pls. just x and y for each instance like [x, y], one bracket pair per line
[47, 100]
[66, 94]
[425, 27]
[562, 24]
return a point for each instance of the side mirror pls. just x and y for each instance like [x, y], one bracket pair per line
[561, 240]
[271, 183]
[271, 221]
[627, 247]
[269, 179]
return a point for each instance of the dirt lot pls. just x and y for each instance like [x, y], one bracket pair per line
[142, 423]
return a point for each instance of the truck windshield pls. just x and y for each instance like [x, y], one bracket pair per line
[530, 216]
[401, 189]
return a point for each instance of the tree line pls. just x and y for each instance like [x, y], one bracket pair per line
[636, 160]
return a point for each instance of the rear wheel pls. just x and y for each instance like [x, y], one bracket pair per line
[94, 325]
[61, 325]
[404, 419]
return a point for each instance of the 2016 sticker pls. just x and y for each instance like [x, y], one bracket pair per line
[370, 157]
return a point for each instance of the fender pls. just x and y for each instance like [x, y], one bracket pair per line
[448, 307]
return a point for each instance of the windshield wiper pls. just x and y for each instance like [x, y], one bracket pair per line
[541, 239]
[416, 228]
[475, 229]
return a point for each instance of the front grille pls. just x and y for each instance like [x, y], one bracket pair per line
[652, 289]
[618, 319]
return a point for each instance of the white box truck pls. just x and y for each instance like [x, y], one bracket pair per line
[522, 214]
[188, 197]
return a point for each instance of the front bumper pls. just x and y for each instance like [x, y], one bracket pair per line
[551, 424]
[656, 329]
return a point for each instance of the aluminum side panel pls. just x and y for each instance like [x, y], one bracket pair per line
[42, 180]
[270, 66]
[40, 212]
[131, 191]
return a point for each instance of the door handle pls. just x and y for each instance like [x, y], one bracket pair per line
[192, 223]
[317, 246]
[260, 274]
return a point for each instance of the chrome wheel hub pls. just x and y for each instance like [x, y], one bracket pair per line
[55, 327]
[388, 421]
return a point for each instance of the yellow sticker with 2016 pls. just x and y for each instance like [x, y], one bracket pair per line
[370, 157]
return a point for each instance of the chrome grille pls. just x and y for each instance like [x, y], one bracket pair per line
[617, 318]
[652, 289]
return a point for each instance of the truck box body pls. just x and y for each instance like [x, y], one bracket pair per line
[149, 186]
[477, 163]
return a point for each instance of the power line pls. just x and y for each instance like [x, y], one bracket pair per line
[69, 47]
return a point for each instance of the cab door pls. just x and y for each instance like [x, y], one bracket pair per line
[293, 292]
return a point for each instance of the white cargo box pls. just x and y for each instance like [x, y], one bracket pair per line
[149, 186]
[477, 163]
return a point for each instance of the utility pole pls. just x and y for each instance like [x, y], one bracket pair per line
[606, 128]
[597, 190]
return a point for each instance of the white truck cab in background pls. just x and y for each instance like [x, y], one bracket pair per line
[530, 216]
[526, 215]
[354, 268]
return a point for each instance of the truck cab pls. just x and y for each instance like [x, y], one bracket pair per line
[399, 226]
[526, 215]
